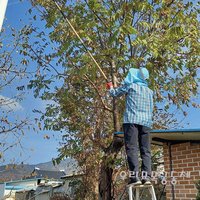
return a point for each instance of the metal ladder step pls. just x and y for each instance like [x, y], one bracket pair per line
[136, 188]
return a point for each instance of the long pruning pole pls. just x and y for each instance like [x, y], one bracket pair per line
[75, 32]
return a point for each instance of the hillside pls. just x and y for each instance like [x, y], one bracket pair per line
[16, 172]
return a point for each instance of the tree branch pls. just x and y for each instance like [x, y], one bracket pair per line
[20, 125]
[95, 87]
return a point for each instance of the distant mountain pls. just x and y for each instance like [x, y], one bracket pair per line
[16, 172]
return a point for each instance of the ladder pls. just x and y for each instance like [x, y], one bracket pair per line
[137, 188]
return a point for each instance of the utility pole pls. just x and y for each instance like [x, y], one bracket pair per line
[3, 5]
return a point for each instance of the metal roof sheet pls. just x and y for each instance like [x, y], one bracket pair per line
[159, 136]
[175, 130]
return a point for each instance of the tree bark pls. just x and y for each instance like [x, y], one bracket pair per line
[105, 183]
[106, 172]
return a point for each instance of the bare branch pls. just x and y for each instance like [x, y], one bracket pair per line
[18, 126]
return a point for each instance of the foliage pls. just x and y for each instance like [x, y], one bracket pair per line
[198, 188]
[162, 35]
[59, 197]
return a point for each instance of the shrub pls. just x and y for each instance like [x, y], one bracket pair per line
[198, 188]
[60, 197]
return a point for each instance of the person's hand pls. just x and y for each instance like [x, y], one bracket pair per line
[109, 85]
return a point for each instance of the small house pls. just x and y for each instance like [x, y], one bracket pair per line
[181, 149]
[39, 184]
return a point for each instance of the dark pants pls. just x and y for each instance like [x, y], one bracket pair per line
[133, 135]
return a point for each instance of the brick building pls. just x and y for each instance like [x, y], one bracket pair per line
[181, 149]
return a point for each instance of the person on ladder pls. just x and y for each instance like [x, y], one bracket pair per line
[137, 122]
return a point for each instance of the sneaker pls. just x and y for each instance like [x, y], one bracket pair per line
[134, 181]
[146, 181]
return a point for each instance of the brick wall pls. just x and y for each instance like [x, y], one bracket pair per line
[186, 168]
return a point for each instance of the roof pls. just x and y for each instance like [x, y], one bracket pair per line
[174, 135]
[69, 176]
[37, 173]
[175, 130]
[19, 181]
[20, 187]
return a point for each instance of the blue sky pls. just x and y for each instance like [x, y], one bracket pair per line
[36, 149]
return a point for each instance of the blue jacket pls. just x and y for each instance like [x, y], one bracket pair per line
[139, 98]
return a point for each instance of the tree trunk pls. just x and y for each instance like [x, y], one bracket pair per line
[105, 183]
